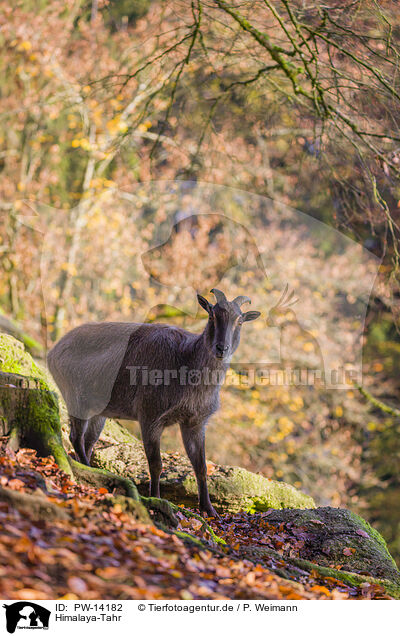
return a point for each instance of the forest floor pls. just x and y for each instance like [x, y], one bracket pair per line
[86, 547]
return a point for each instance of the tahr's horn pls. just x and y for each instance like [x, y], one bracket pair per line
[240, 300]
[219, 295]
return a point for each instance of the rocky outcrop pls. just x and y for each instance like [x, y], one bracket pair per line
[29, 416]
[332, 539]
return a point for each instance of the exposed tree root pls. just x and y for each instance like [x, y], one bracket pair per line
[205, 526]
[165, 516]
[100, 478]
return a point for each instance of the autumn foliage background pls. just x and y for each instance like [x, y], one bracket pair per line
[112, 116]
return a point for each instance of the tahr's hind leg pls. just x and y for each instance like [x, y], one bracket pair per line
[77, 437]
[92, 434]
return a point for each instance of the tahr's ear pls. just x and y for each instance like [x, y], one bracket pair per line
[251, 315]
[203, 302]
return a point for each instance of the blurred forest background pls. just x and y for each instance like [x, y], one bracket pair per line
[114, 117]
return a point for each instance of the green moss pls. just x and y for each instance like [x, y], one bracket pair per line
[14, 359]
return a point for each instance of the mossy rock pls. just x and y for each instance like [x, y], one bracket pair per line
[231, 488]
[115, 433]
[234, 489]
[332, 538]
[15, 359]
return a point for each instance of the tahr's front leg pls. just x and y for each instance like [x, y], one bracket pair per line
[194, 442]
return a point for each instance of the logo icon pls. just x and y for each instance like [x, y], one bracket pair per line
[26, 615]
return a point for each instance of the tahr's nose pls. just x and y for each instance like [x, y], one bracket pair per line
[221, 348]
